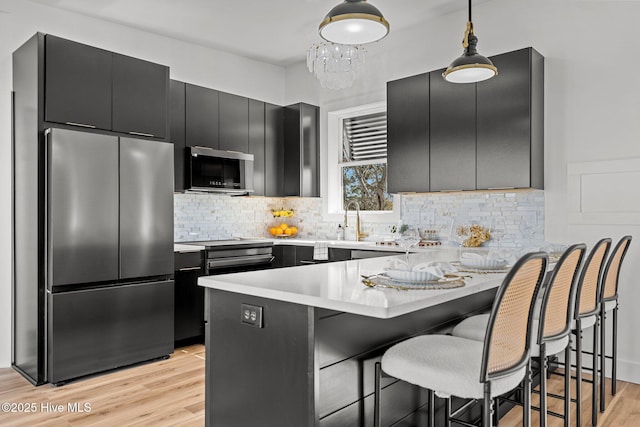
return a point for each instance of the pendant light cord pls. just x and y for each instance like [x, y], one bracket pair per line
[469, 10]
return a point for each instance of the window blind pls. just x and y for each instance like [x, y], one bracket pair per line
[365, 137]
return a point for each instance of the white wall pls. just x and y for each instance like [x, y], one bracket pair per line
[195, 64]
[591, 104]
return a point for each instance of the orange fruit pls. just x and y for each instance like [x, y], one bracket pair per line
[288, 232]
[274, 231]
[284, 226]
[293, 229]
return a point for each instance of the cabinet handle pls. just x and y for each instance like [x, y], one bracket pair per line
[190, 268]
[142, 134]
[455, 189]
[81, 125]
[501, 188]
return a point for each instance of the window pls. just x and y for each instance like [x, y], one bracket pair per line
[357, 164]
[364, 162]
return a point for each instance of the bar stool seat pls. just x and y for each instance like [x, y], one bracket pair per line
[450, 367]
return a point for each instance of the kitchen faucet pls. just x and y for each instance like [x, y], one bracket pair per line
[359, 234]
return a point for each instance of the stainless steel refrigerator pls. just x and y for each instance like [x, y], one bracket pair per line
[105, 284]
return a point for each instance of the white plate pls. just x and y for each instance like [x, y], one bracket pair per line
[483, 263]
[411, 276]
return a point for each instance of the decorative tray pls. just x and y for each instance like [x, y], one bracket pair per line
[465, 269]
[384, 281]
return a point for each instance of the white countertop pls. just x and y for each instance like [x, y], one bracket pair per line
[337, 286]
[179, 247]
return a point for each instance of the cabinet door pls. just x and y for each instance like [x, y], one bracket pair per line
[408, 134]
[140, 97]
[201, 116]
[504, 124]
[273, 146]
[234, 122]
[300, 157]
[256, 145]
[177, 132]
[452, 143]
[77, 84]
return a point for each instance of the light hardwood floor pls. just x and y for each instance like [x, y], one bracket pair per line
[171, 393]
[165, 393]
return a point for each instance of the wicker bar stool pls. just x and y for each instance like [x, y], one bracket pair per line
[609, 302]
[587, 315]
[552, 317]
[453, 366]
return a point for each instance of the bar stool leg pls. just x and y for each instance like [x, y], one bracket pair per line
[602, 354]
[447, 412]
[487, 406]
[594, 367]
[544, 367]
[376, 395]
[567, 385]
[431, 422]
[526, 407]
[614, 351]
[578, 372]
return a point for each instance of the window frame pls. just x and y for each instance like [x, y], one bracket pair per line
[332, 209]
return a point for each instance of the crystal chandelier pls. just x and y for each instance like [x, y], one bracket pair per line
[335, 65]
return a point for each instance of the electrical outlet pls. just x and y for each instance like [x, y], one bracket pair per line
[251, 315]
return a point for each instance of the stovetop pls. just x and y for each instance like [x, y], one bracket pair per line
[214, 244]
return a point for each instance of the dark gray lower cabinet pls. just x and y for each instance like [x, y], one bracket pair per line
[408, 134]
[189, 298]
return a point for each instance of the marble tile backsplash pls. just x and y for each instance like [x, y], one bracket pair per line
[217, 216]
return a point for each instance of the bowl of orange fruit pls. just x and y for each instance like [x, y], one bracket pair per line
[283, 230]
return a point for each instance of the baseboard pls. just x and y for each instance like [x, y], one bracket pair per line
[628, 371]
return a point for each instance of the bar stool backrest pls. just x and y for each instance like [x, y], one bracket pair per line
[559, 296]
[589, 283]
[612, 269]
[507, 341]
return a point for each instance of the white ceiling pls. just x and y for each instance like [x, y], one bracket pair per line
[274, 31]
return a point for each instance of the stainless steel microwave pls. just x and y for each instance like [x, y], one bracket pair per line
[219, 171]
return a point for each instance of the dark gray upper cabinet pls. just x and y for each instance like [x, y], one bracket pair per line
[140, 97]
[77, 84]
[234, 122]
[273, 144]
[408, 134]
[201, 116]
[452, 163]
[301, 151]
[485, 135]
[177, 132]
[256, 145]
[510, 123]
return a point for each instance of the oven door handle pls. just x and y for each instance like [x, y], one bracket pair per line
[240, 261]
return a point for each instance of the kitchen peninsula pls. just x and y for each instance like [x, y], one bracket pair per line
[297, 346]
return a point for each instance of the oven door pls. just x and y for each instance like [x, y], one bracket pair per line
[239, 264]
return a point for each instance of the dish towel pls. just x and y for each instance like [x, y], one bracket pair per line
[320, 251]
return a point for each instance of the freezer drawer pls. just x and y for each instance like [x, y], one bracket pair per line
[95, 330]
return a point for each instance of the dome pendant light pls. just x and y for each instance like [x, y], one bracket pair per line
[353, 22]
[471, 67]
